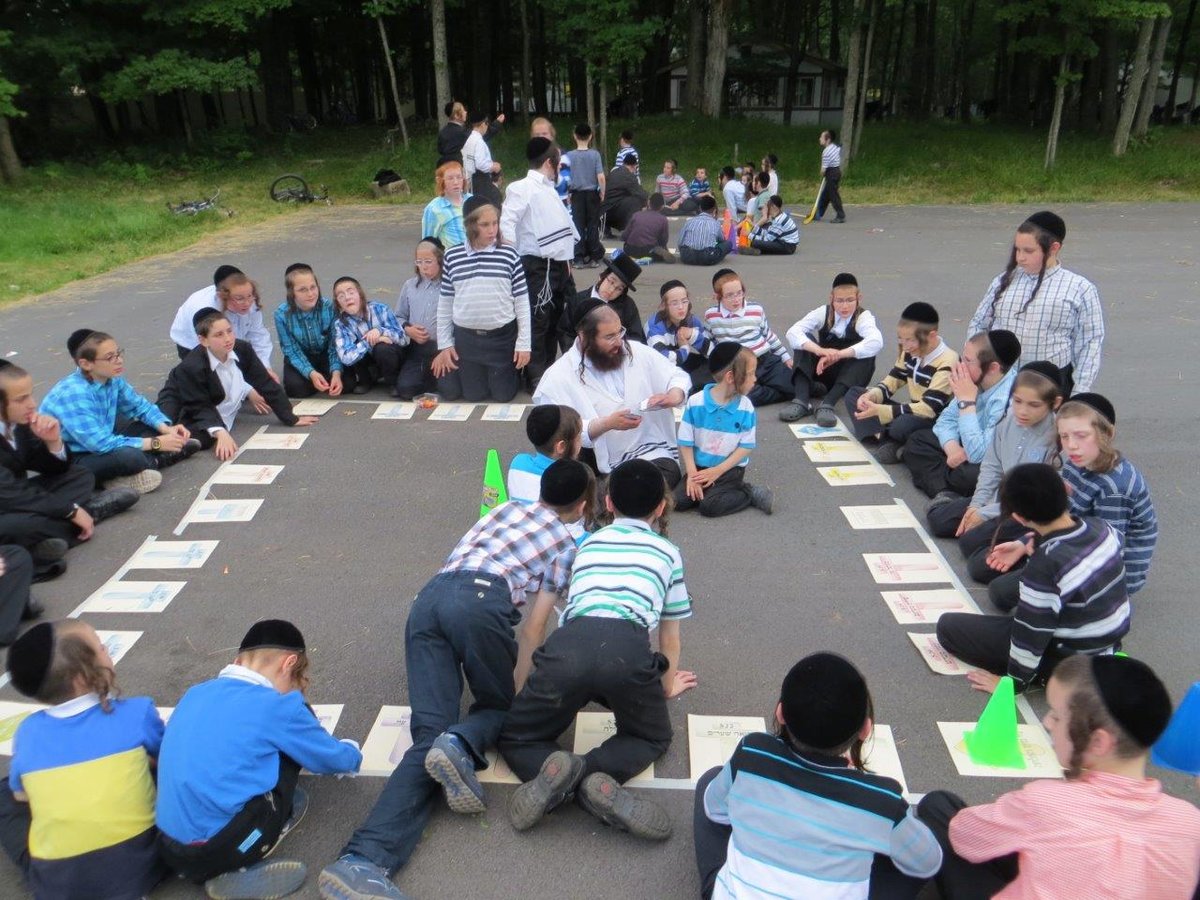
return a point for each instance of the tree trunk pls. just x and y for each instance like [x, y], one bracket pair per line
[10, 163]
[894, 77]
[589, 91]
[873, 11]
[602, 142]
[697, 35]
[921, 55]
[792, 31]
[1180, 58]
[1141, 122]
[276, 70]
[1109, 78]
[1060, 93]
[962, 96]
[441, 66]
[1133, 90]
[310, 75]
[526, 64]
[543, 99]
[100, 114]
[853, 75]
[1089, 95]
[929, 92]
[716, 59]
[391, 70]
[835, 30]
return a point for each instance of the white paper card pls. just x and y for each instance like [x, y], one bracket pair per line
[397, 411]
[239, 473]
[452, 412]
[594, 728]
[881, 755]
[836, 451]
[117, 643]
[842, 476]
[1040, 761]
[11, 717]
[936, 656]
[313, 407]
[497, 771]
[172, 555]
[712, 739]
[132, 597]
[808, 430]
[328, 714]
[389, 738]
[906, 568]
[888, 515]
[207, 511]
[504, 412]
[925, 607]
[275, 441]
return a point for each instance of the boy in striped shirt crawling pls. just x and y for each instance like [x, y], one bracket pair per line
[627, 581]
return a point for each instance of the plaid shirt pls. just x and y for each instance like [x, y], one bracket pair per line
[87, 412]
[1063, 324]
[529, 546]
[301, 333]
[349, 331]
[444, 221]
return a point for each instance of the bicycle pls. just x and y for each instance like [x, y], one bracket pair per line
[193, 207]
[294, 189]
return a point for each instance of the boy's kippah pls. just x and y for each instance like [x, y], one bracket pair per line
[564, 482]
[721, 357]
[825, 701]
[30, 658]
[1005, 345]
[273, 634]
[844, 278]
[1051, 222]
[294, 266]
[1134, 696]
[78, 336]
[670, 286]
[224, 272]
[201, 314]
[1099, 403]
[920, 312]
[543, 421]
[474, 203]
[636, 487]
[719, 274]
[1034, 491]
[1046, 370]
[631, 159]
[537, 147]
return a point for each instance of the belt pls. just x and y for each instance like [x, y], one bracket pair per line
[486, 332]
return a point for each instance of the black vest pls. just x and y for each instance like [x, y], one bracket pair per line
[826, 337]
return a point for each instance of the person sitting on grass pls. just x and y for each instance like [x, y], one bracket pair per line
[702, 243]
[699, 186]
[776, 232]
[648, 233]
[678, 334]
[614, 286]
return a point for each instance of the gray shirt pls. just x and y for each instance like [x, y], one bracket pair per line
[418, 303]
[1011, 446]
[586, 169]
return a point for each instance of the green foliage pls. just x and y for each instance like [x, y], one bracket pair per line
[176, 70]
[606, 33]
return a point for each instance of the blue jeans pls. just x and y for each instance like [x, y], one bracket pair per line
[460, 623]
[122, 461]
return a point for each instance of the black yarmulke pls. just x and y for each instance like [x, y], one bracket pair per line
[224, 272]
[476, 202]
[719, 274]
[1051, 222]
[636, 488]
[30, 658]
[631, 159]
[201, 314]
[670, 286]
[1099, 403]
[537, 147]
[542, 423]
[1134, 696]
[1005, 345]
[78, 336]
[920, 312]
[591, 304]
[273, 634]
[721, 357]
[1046, 370]
[564, 482]
[825, 701]
[1034, 491]
[844, 278]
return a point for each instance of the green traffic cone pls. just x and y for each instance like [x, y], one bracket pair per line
[494, 492]
[994, 741]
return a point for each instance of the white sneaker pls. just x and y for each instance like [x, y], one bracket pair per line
[143, 482]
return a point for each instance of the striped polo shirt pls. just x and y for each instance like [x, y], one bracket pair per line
[484, 290]
[714, 430]
[628, 571]
[748, 327]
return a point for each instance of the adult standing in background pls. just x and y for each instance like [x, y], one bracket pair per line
[454, 133]
[443, 218]
[544, 128]
[481, 170]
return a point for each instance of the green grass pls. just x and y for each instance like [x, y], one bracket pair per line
[66, 221]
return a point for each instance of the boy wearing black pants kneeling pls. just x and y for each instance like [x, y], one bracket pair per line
[602, 653]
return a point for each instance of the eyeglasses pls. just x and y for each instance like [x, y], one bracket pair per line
[734, 295]
[119, 353]
[616, 336]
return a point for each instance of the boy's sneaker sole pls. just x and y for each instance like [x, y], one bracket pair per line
[143, 482]
[262, 881]
[348, 879]
[559, 775]
[613, 805]
[460, 796]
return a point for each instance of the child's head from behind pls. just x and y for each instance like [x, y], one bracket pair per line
[583, 132]
[917, 329]
[96, 353]
[733, 365]
[481, 220]
[275, 649]
[626, 138]
[569, 488]
[656, 201]
[556, 431]
[1033, 494]
[727, 174]
[54, 662]
[1037, 392]
[825, 707]
[1086, 425]
[730, 291]
[427, 260]
[637, 490]
[349, 298]
[674, 303]
[708, 205]
[1104, 711]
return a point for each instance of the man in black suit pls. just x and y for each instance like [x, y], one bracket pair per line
[55, 508]
[209, 386]
[623, 196]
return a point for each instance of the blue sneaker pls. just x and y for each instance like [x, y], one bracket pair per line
[357, 878]
[261, 881]
[451, 765]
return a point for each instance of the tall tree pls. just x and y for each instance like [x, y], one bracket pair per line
[697, 52]
[1133, 90]
[853, 76]
[1180, 59]
[720, 14]
[1141, 122]
[10, 162]
[441, 64]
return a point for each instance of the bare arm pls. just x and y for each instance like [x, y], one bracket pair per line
[533, 634]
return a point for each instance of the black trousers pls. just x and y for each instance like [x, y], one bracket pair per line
[689, 207]
[984, 642]
[616, 214]
[727, 495]
[246, 840]
[27, 529]
[381, 364]
[959, 879]
[774, 381]
[774, 248]
[925, 458]
[591, 660]
[709, 256]
[416, 370]
[485, 365]
[550, 286]
[585, 211]
[14, 597]
[298, 386]
[900, 429]
[832, 193]
[838, 378]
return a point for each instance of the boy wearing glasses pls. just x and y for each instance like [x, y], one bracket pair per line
[87, 403]
[737, 319]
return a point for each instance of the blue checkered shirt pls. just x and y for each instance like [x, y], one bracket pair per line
[88, 411]
[701, 232]
[349, 332]
[303, 333]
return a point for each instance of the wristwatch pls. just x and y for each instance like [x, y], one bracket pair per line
[74, 509]
[155, 444]
[963, 404]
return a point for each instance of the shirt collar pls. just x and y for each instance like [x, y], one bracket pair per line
[539, 178]
[1003, 386]
[241, 673]
[726, 314]
[632, 523]
[74, 707]
[471, 251]
[711, 403]
[214, 363]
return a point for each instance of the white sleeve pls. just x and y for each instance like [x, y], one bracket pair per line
[872, 338]
[807, 328]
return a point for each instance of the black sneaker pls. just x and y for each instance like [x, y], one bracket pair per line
[613, 805]
[164, 460]
[761, 498]
[827, 416]
[33, 610]
[48, 551]
[558, 778]
[109, 503]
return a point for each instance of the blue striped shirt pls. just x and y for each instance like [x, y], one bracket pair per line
[87, 412]
[701, 232]
[714, 430]
[349, 332]
[782, 228]
[1122, 499]
[483, 289]
[304, 333]
[663, 337]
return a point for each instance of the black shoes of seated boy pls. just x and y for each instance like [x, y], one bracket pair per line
[164, 460]
[452, 766]
[559, 776]
[109, 503]
[889, 452]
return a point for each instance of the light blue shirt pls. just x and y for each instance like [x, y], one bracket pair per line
[974, 432]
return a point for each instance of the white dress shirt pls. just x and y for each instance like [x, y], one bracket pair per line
[236, 389]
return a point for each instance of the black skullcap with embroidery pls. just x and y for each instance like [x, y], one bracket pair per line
[30, 658]
[825, 701]
[75, 341]
[721, 357]
[844, 278]
[1099, 403]
[1051, 222]
[476, 202]
[1134, 696]
[564, 482]
[273, 634]
[590, 305]
[542, 423]
[636, 487]
[1005, 345]
[920, 312]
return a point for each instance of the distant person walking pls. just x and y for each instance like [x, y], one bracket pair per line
[831, 171]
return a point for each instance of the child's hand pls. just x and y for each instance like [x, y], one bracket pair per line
[307, 420]
[260, 405]
[970, 519]
[226, 446]
[982, 681]
[865, 402]
[682, 682]
[955, 455]
[318, 381]
[1004, 556]
[866, 410]
[695, 490]
[704, 477]
[179, 431]
[372, 337]
[445, 363]
[521, 359]
[335, 384]
[961, 383]
[416, 333]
